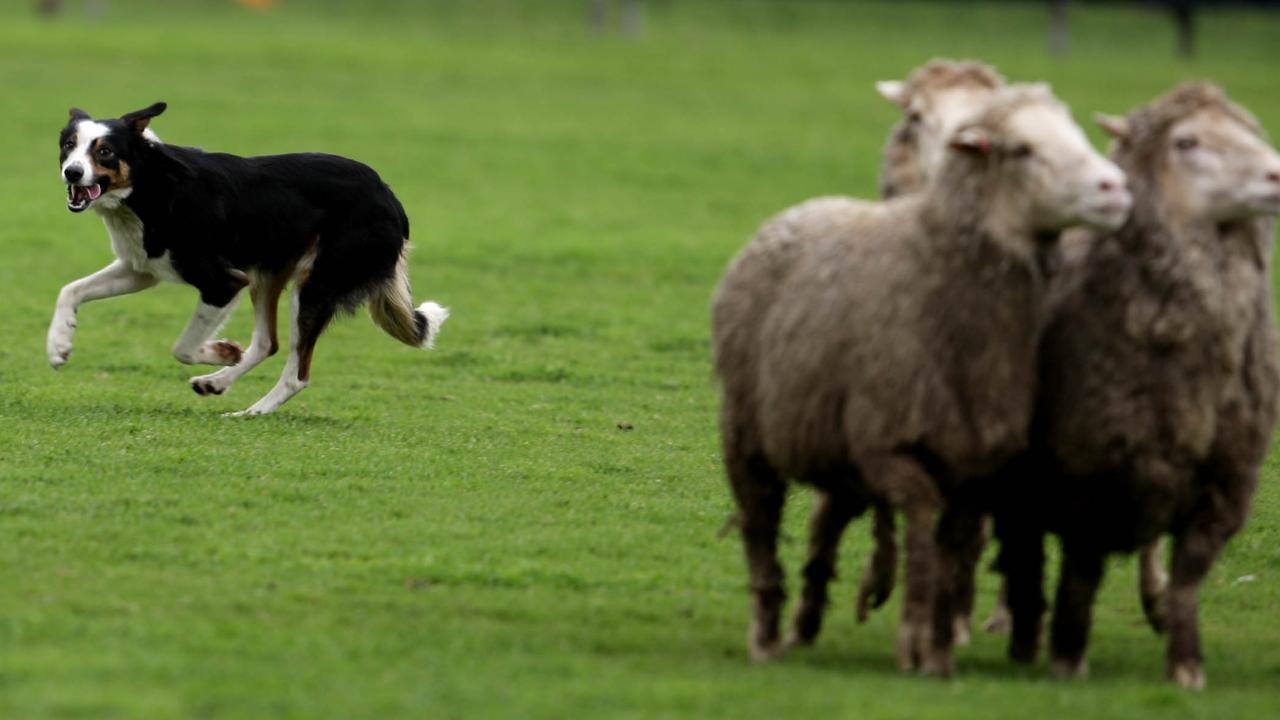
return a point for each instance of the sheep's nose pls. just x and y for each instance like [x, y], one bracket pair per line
[73, 173]
[1108, 185]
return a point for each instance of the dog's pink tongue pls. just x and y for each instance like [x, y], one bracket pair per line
[95, 191]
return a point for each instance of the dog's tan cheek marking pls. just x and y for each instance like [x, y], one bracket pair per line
[116, 179]
[123, 177]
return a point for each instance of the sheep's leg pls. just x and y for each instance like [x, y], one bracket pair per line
[760, 494]
[1073, 610]
[1022, 562]
[913, 630]
[908, 487]
[1001, 620]
[1219, 517]
[1153, 583]
[877, 581]
[831, 515]
[965, 589]
[959, 531]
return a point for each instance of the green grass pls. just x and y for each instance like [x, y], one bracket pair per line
[469, 533]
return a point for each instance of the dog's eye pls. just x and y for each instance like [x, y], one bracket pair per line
[69, 145]
[1186, 143]
[105, 153]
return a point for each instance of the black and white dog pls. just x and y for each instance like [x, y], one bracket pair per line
[220, 223]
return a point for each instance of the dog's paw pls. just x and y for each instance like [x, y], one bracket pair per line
[59, 356]
[58, 345]
[207, 385]
[223, 352]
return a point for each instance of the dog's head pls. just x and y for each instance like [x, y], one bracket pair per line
[99, 157]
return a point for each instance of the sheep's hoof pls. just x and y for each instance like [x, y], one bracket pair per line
[939, 663]
[803, 633]
[806, 625]
[913, 644]
[1065, 669]
[765, 652]
[1023, 653]
[1188, 675]
[762, 642]
[960, 634]
[1000, 622]
[797, 640]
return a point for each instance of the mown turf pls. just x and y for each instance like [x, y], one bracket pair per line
[471, 532]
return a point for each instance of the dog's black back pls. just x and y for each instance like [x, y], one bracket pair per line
[214, 211]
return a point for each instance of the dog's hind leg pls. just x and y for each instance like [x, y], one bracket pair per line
[264, 291]
[312, 312]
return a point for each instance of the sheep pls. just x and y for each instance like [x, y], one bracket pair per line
[1159, 380]
[935, 99]
[884, 351]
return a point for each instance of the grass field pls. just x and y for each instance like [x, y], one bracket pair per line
[470, 533]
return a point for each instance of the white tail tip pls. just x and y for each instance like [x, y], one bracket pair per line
[435, 315]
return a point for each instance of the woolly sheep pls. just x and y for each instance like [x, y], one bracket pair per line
[1159, 377]
[935, 98]
[881, 351]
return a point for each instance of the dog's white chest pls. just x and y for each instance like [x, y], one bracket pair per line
[125, 229]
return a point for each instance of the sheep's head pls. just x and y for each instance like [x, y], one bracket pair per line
[935, 98]
[1036, 165]
[1200, 155]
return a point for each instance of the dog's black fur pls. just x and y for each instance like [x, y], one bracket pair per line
[217, 213]
[221, 220]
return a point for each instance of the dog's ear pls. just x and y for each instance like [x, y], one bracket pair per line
[78, 114]
[139, 119]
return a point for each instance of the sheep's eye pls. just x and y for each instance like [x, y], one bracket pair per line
[914, 117]
[105, 153]
[1021, 152]
[1186, 143]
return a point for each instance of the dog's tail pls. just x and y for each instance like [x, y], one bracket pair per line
[391, 306]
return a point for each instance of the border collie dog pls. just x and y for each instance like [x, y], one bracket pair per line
[220, 223]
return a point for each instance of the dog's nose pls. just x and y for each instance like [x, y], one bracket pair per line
[73, 173]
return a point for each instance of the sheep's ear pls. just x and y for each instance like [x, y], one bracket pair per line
[972, 140]
[139, 119]
[1117, 126]
[895, 91]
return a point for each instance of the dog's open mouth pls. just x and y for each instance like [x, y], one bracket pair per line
[78, 197]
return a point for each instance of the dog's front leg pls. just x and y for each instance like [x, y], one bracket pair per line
[112, 280]
[195, 347]
[219, 290]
